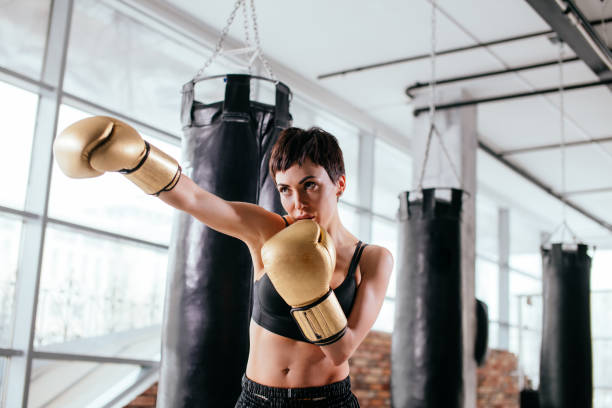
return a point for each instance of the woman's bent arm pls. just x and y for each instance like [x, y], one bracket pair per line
[376, 267]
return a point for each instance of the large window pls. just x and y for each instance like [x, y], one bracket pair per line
[93, 286]
[392, 175]
[2, 379]
[526, 232]
[521, 285]
[487, 235]
[348, 139]
[526, 333]
[17, 115]
[110, 203]
[103, 267]
[349, 217]
[601, 278]
[601, 316]
[79, 384]
[23, 29]
[10, 234]
[143, 69]
[385, 234]
[487, 287]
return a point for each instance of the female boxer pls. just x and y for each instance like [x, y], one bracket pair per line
[302, 334]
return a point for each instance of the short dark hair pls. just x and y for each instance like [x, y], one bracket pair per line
[295, 145]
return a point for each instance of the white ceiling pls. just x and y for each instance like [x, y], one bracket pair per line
[317, 37]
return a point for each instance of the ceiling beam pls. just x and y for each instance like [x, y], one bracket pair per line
[447, 51]
[497, 98]
[554, 146]
[589, 191]
[543, 186]
[419, 85]
[566, 19]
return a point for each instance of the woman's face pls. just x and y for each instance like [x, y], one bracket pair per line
[306, 191]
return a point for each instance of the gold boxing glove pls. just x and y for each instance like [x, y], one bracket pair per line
[92, 146]
[300, 261]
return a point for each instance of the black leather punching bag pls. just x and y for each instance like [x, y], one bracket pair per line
[225, 150]
[529, 398]
[426, 368]
[566, 373]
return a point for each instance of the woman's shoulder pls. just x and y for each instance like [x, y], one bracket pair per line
[376, 259]
[377, 252]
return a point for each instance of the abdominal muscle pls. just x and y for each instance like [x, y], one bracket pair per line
[278, 361]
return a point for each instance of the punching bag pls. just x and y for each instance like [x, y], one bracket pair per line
[529, 399]
[482, 332]
[566, 374]
[205, 341]
[426, 369]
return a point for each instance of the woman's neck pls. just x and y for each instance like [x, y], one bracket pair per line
[338, 232]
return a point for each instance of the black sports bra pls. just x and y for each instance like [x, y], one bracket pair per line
[272, 313]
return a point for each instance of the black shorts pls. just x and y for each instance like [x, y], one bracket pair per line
[333, 395]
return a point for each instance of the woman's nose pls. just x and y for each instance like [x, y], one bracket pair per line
[300, 200]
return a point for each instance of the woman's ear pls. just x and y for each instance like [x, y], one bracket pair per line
[341, 186]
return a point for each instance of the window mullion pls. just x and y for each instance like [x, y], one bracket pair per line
[37, 197]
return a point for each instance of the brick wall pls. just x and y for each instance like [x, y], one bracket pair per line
[498, 381]
[146, 400]
[371, 372]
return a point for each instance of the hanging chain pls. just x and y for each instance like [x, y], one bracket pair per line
[603, 24]
[425, 158]
[258, 50]
[432, 96]
[564, 225]
[247, 40]
[562, 130]
[448, 157]
[219, 45]
[432, 60]
[432, 106]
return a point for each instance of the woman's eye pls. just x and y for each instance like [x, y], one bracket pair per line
[282, 190]
[309, 184]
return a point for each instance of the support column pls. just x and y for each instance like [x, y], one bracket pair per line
[366, 182]
[37, 198]
[458, 130]
[503, 289]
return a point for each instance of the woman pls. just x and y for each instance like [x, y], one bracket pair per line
[283, 368]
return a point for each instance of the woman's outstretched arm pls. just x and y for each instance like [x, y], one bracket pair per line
[95, 145]
[245, 221]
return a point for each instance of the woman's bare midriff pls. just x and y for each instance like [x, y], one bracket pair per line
[278, 361]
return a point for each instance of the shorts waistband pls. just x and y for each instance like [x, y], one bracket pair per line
[330, 390]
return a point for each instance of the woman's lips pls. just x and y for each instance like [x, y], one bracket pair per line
[305, 217]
